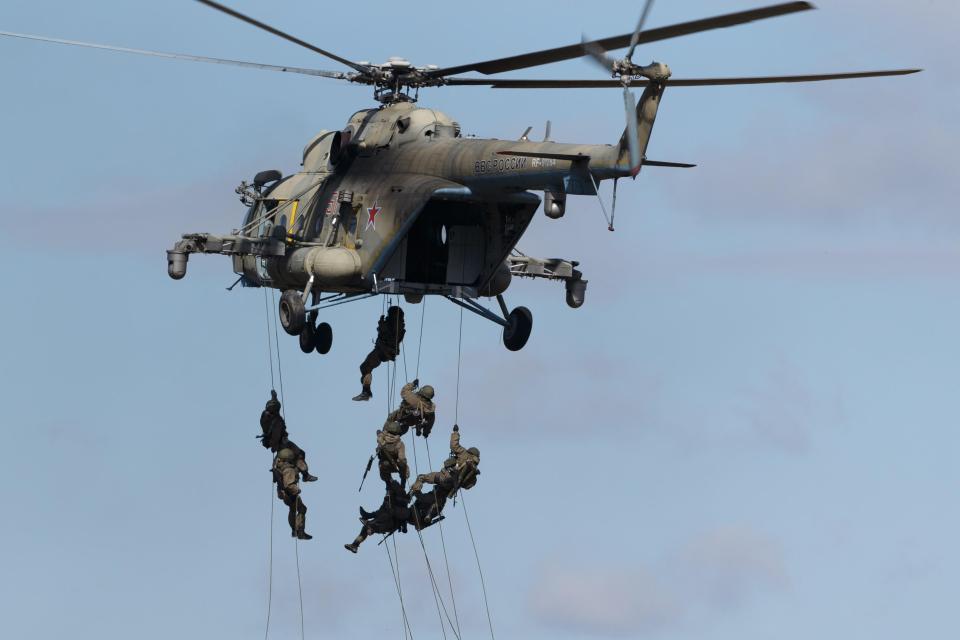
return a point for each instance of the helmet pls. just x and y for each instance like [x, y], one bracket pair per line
[393, 428]
[474, 452]
[394, 311]
[426, 391]
[273, 404]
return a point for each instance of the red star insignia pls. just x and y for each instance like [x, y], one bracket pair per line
[372, 217]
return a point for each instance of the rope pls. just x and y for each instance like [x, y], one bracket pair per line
[396, 581]
[266, 632]
[296, 550]
[276, 338]
[423, 312]
[483, 585]
[443, 543]
[433, 581]
[283, 402]
[456, 411]
[266, 304]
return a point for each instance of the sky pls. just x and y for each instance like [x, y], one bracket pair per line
[748, 431]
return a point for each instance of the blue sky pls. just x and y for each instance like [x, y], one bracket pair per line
[749, 430]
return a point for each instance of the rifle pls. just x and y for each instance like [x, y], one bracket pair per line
[365, 472]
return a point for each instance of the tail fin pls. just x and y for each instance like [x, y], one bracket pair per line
[646, 115]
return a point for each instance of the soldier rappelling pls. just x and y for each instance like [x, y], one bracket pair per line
[289, 464]
[390, 332]
[390, 517]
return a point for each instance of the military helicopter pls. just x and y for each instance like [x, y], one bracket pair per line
[399, 202]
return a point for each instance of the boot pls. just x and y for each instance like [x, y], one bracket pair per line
[366, 515]
[303, 535]
[309, 478]
[352, 547]
[364, 395]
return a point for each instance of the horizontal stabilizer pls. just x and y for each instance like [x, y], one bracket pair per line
[675, 165]
[572, 157]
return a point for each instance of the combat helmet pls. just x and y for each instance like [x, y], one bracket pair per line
[426, 391]
[273, 404]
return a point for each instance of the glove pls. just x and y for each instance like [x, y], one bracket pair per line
[416, 382]
[456, 428]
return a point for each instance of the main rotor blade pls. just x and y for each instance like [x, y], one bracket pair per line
[183, 56]
[672, 82]
[636, 32]
[285, 36]
[537, 58]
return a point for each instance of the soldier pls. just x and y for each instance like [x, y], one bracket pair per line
[416, 408]
[391, 516]
[390, 332]
[427, 507]
[286, 475]
[391, 453]
[275, 435]
[459, 471]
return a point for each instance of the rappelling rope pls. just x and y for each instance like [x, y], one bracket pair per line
[283, 401]
[433, 581]
[483, 585]
[443, 544]
[476, 555]
[266, 633]
[407, 631]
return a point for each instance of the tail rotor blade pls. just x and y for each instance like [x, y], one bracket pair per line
[598, 54]
[636, 34]
[631, 107]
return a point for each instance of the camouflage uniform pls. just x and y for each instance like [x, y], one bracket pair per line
[416, 408]
[459, 470]
[391, 453]
[391, 516]
[275, 435]
[286, 473]
[427, 507]
[390, 332]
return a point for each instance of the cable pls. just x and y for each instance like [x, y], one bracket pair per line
[443, 543]
[296, 550]
[456, 411]
[266, 304]
[266, 632]
[396, 582]
[483, 585]
[423, 312]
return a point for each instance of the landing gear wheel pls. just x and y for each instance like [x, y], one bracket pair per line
[517, 331]
[323, 338]
[293, 315]
[307, 339]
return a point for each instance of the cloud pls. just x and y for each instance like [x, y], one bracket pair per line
[605, 602]
[713, 574]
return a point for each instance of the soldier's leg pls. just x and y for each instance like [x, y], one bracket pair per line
[402, 463]
[371, 362]
[301, 520]
[304, 469]
[353, 546]
[430, 478]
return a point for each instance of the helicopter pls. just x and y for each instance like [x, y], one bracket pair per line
[400, 202]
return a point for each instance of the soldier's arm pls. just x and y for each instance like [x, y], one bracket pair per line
[455, 447]
[409, 396]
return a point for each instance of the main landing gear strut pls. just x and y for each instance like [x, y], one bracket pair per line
[516, 324]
